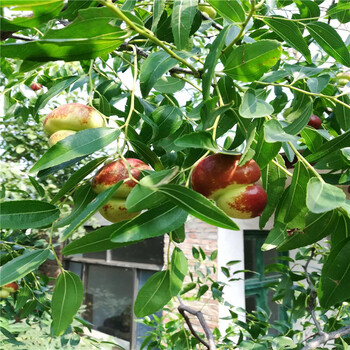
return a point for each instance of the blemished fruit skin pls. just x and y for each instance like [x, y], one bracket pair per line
[60, 135]
[232, 187]
[115, 171]
[315, 122]
[4, 294]
[115, 209]
[10, 287]
[36, 86]
[73, 116]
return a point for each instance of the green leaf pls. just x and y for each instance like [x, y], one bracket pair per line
[22, 265]
[179, 234]
[169, 85]
[96, 241]
[154, 66]
[158, 8]
[90, 209]
[322, 197]
[152, 223]
[153, 295]
[25, 214]
[274, 132]
[283, 343]
[199, 139]
[339, 142]
[254, 107]
[342, 112]
[249, 62]
[283, 27]
[211, 62]
[168, 120]
[312, 138]
[148, 155]
[330, 41]
[318, 84]
[335, 276]
[178, 271]
[82, 143]
[81, 198]
[67, 297]
[39, 189]
[76, 177]
[82, 40]
[197, 205]
[181, 21]
[144, 195]
[229, 9]
[265, 151]
[273, 181]
[54, 91]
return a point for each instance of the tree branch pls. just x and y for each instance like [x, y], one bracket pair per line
[325, 337]
[183, 309]
[213, 23]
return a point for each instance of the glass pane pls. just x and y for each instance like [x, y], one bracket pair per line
[75, 267]
[249, 257]
[149, 251]
[250, 303]
[109, 298]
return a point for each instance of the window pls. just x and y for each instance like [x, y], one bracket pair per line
[257, 293]
[111, 281]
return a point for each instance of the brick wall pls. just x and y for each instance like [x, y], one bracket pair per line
[200, 234]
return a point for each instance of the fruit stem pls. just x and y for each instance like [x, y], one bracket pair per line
[148, 34]
[91, 85]
[241, 32]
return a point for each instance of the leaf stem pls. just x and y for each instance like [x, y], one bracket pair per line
[53, 250]
[282, 168]
[91, 82]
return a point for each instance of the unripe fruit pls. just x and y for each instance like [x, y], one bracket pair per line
[73, 116]
[11, 287]
[315, 122]
[115, 210]
[344, 75]
[36, 86]
[208, 10]
[115, 171]
[60, 135]
[219, 177]
[4, 293]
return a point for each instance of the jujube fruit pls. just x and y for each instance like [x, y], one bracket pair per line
[4, 293]
[207, 9]
[10, 287]
[232, 187]
[315, 122]
[36, 86]
[60, 135]
[72, 117]
[115, 209]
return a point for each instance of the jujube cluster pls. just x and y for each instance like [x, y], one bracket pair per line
[67, 119]
[115, 209]
[232, 187]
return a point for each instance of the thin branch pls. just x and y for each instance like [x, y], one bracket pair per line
[183, 309]
[313, 295]
[213, 23]
[325, 337]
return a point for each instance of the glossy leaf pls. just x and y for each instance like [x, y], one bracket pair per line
[178, 271]
[151, 223]
[265, 151]
[90, 209]
[249, 62]
[273, 181]
[322, 197]
[318, 84]
[229, 9]
[169, 85]
[181, 21]
[342, 113]
[54, 91]
[283, 27]
[82, 143]
[158, 8]
[76, 177]
[39, 189]
[330, 41]
[25, 214]
[96, 241]
[274, 132]
[67, 297]
[148, 155]
[211, 62]
[153, 295]
[198, 206]
[335, 276]
[22, 265]
[154, 66]
[254, 107]
[82, 196]
[312, 138]
[168, 120]
[199, 139]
